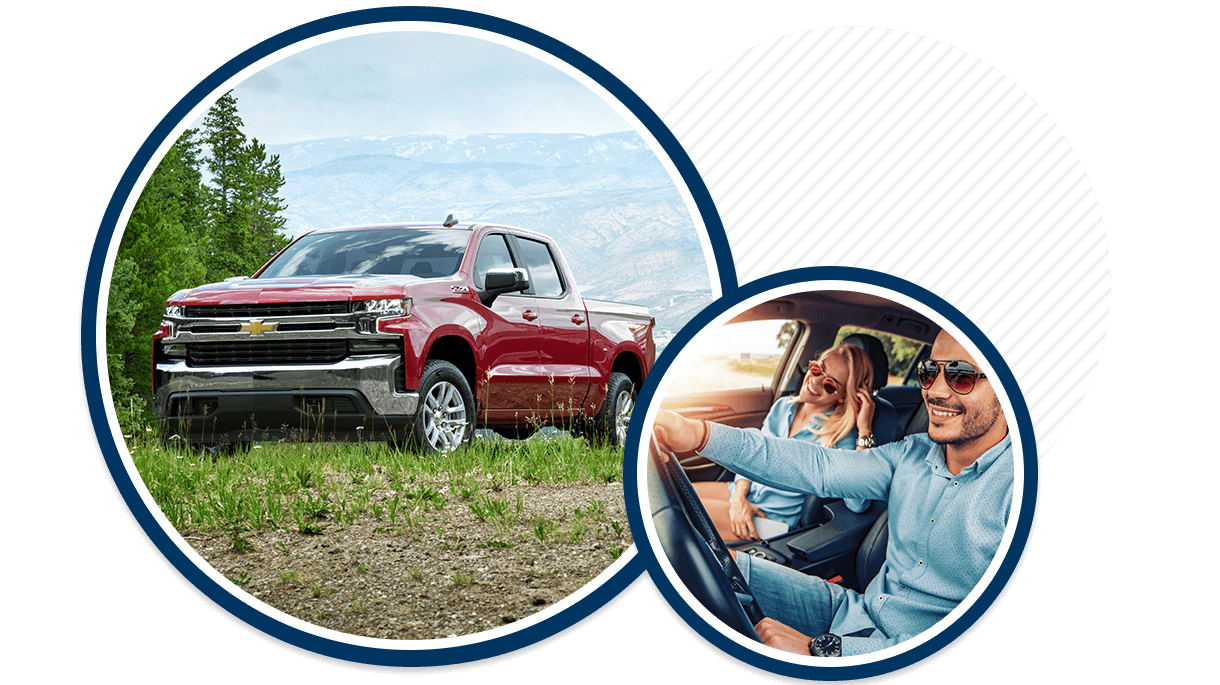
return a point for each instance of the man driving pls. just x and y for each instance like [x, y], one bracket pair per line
[949, 493]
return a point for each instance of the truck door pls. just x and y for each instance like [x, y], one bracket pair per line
[508, 383]
[564, 331]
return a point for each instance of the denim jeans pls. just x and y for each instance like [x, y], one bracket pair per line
[806, 603]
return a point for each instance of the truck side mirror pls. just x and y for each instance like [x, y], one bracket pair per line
[500, 281]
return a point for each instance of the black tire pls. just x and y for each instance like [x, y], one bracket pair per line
[610, 425]
[445, 419]
[514, 432]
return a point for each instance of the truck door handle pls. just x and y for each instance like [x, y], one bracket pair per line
[577, 319]
[529, 316]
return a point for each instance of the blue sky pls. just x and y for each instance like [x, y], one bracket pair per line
[416, 82]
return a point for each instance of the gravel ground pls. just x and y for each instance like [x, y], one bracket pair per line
[449, 575]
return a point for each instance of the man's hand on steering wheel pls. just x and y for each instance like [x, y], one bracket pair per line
[774, 634]
[678, 434]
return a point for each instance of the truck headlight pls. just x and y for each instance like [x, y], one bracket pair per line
[371, 311]
[394, 307]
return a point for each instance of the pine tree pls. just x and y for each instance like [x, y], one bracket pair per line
[157, 256]
[194, 192]
[262, 202]
[184, 232]
[229, 229]
[244, 205]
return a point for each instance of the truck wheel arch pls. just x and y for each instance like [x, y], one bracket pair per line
[628, 363]
[458, 351]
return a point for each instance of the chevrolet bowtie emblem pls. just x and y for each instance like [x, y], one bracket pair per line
[257, 327]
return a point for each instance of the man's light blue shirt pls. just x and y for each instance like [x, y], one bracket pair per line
[944, 529]
[783, 505]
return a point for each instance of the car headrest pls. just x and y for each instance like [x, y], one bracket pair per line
[876, 354]
[871, 555]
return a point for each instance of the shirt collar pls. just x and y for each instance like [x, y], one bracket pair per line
[936, 458]
[986, 459]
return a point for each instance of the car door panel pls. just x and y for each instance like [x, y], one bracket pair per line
[743, 408]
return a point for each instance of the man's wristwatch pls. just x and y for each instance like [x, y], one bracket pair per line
[865, 441]
[826, 644]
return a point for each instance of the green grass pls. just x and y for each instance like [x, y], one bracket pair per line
[316, 488]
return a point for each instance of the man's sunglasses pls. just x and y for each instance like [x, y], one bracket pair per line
[960, 375]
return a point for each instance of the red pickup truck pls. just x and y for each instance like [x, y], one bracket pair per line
[405, 332]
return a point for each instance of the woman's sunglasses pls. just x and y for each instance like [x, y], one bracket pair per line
[960, 375]
[829, 384]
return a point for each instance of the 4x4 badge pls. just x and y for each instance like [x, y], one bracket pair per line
[257, 327]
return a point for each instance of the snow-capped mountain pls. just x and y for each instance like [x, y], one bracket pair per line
[605, 199]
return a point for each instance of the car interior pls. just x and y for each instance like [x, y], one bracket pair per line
[830, 541]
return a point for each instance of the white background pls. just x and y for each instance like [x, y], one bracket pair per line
[116, 597]
[884, 149]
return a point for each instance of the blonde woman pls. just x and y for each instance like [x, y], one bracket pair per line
[834, 407]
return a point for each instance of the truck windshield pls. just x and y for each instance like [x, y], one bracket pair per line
[423, 253]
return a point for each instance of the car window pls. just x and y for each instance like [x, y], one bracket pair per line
[735, 356]
[900, 351]
[493, 254]
[544, 275]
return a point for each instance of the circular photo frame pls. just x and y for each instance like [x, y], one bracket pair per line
[326, 642]
[739, 361]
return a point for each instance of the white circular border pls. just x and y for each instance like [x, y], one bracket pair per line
[992, 568]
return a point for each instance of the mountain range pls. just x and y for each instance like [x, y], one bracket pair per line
[606, 200]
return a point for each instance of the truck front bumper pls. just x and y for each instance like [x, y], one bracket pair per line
[348, 400]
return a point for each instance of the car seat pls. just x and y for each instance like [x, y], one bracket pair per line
[871, 555]
[885, 417]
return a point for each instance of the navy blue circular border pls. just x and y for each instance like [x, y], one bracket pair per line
[1024, 519]
[93, 391]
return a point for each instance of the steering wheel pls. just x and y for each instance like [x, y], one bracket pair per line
[694, 548]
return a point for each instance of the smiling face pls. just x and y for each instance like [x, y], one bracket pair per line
[973, 422]
[813, 389]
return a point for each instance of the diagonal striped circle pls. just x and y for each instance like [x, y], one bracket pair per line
[886, 150]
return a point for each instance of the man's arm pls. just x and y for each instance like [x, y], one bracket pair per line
[782, 462]
[678, 433]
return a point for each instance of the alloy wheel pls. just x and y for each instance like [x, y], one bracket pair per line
[444, 417]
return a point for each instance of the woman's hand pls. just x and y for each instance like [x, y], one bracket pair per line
[866, 405]
[742, 513]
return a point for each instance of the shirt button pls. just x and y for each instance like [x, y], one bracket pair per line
[933, 520]
[955, 484]
[904, 587]
[921, 562]
[881, 598]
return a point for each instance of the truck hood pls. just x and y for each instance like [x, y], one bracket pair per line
[301, 289]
